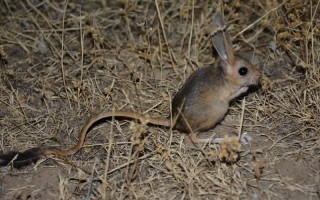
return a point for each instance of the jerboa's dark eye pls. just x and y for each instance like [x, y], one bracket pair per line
[243, 71]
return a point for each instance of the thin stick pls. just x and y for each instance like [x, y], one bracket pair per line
[191, 29]
[62, 57]
[173, 60]
[251, 25]
[107, 162]
[312, 39]
[81, 63]
[241, 119]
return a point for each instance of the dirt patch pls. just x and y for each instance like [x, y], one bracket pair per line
[36, 184]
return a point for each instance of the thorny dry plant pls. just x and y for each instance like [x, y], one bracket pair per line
[63, 61]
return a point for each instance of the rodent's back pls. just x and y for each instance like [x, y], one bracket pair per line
[198, 100]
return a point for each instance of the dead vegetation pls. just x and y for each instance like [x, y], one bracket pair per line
[62, 62]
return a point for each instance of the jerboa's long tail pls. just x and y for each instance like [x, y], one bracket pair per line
[21, 159]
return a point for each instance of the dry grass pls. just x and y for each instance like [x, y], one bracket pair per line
[63, 62]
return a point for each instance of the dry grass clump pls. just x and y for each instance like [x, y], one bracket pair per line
[62, 62]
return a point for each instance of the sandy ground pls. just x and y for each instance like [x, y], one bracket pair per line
[64, 61]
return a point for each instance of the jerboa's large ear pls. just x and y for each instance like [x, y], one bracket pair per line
[222, 41]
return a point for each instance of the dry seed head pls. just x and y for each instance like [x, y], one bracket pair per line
[230, 148]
